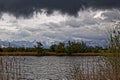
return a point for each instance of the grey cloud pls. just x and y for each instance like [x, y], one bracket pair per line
[81, 23]
[74, 23]
[84, 26]
[27, 7]
[19, 35]
[54, 25]
[33, 29]
[112, 15]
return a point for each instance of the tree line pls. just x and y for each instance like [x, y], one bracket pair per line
[74, 47]
[69, 48]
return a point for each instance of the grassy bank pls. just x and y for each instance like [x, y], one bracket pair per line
[45, 54]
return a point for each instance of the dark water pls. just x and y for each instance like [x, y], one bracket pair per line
[52, 67]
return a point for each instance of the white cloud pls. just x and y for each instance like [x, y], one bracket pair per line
[89, 24]
[100, 15]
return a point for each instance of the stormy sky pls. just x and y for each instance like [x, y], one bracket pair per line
[57, 20]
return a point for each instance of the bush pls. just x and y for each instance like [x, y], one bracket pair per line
[1, 50]
[60, 48]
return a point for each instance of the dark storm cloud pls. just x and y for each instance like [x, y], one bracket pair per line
[27, 7]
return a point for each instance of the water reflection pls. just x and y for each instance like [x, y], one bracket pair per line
[53, 67]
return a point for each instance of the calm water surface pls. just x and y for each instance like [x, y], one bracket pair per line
[53, 67]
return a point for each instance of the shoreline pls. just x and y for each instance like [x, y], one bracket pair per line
[54, 54]
[45, 54]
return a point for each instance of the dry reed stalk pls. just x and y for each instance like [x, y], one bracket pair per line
[11, 69]
[102, 69]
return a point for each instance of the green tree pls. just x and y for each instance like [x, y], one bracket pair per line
[68, 48]
[52, 48]
[1, 50]
[60, 48]
[39, 48]
[75, 47]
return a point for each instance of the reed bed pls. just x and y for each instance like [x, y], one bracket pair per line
[97, 68]
[11, 68]
[103, 68]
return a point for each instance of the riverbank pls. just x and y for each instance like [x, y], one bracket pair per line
[45, 54]
[51, 54]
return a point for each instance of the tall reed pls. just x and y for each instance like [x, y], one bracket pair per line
[98, 69]
[11, 68]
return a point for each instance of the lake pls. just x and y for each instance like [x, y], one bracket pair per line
[51, 67]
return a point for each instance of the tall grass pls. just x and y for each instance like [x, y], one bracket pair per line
[98, 69]
[11, 68]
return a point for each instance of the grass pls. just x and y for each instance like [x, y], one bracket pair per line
[11, 68]
[102, 69]
[18, 54]
[45, 54]
[53, 54]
